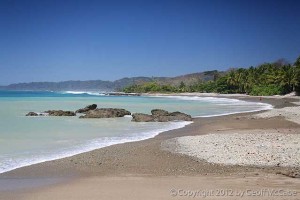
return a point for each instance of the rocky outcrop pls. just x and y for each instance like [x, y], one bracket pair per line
[140, 117]
[106, 113]
[32, 114]
[52, 113]
[159, 112]
[159, 115]
[91, 111]
[87, 108]
[180, 116]
[60, 113]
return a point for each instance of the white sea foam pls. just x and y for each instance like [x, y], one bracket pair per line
[196, 98]
[257, 106]
[11, 164]
[83, 92]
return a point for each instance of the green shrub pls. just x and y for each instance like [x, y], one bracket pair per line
[266, 90]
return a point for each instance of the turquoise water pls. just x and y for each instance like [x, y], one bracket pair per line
[29, 140]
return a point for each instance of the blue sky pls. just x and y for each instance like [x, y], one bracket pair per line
[53, 40]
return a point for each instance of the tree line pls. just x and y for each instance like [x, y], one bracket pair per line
[276, 78]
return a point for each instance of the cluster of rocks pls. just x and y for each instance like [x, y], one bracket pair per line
[34, 114]
[60, 113]
[87, 108]
[159, 115]
[91, 111]
[52, 113]
[106, 113]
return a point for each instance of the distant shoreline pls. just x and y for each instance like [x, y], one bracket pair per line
[114, 93]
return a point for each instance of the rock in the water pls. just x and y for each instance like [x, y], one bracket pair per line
[177, 117]
[106, 113]
[162, 119]
[159, 112]
[32, 114]
[87, 108]
[140, 117]
[180, 116]
[159, 115]
[60, 113]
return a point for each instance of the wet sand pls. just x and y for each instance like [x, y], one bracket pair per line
[144, 170]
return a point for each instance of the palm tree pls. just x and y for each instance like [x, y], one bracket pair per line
[242, 77]
[232, 79]
[288, 78]
[252, 77]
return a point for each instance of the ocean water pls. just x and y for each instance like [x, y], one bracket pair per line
[28, 140]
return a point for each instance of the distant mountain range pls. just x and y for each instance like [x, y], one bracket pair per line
[117, 85]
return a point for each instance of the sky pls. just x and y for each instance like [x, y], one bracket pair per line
[57, 40]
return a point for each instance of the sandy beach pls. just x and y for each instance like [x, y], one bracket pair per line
[148, 170]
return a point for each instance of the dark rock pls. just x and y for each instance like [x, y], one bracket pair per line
[87, 108]
[60, 113]
[174, 116]
[162, 119]
[106, 113]
[140, 117]
[180, 116]
[159, 112]
[32, 114]
[159, 115]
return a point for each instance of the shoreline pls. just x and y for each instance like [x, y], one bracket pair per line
[273, 100]
[229, 96]
[141, 158]
[152, 135]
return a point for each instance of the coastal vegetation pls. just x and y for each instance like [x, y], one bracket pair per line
[276, 78]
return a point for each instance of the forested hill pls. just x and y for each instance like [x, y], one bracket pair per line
[117, 85]
[276, 78]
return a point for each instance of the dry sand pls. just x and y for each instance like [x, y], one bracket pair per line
[143, 170]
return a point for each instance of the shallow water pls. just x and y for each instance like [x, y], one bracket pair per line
[29, 140]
